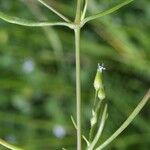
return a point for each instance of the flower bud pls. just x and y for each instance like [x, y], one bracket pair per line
[98, 78]
[94, 118]
[101, 94]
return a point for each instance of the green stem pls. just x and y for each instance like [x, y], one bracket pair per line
[84, 10]
[54, 11]
[127, 122]
[78, 87]
[9, 146]
[78, 11]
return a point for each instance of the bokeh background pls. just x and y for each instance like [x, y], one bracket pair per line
[37, 74]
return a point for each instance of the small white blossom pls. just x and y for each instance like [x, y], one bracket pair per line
[28, 66]
[59, 131]
[101, 67]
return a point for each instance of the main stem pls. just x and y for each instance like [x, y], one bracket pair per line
[78, 87]
[78, 11]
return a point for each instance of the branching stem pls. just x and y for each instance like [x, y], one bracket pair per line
[76, 26]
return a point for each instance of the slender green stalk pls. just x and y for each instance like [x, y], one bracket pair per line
[55, 11]
[127, 122]
[78, 82]
[78, 87]
[78, 11]
[85, 139]
[104, 13]
[9, 146]
[100, 129]
[74, 123]
[84, 10]
[23, 22]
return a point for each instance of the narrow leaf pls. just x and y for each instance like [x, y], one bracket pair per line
[109, 11]
[73, 121]
[23, 22]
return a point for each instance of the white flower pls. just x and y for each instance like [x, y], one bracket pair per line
[28, 66]
[59, 131]
[101, 67]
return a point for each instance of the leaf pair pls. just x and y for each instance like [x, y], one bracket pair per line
[67, 22]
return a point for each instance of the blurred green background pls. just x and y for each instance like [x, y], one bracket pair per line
[37, 74]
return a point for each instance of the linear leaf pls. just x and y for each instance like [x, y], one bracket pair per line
[109, 11]
[23, 22]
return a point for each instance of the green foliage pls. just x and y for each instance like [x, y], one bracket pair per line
[37, 78]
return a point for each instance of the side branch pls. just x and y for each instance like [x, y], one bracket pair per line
[127, 122]
[109, 11]
[84, 10]
[54, 11]
[23, 22]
